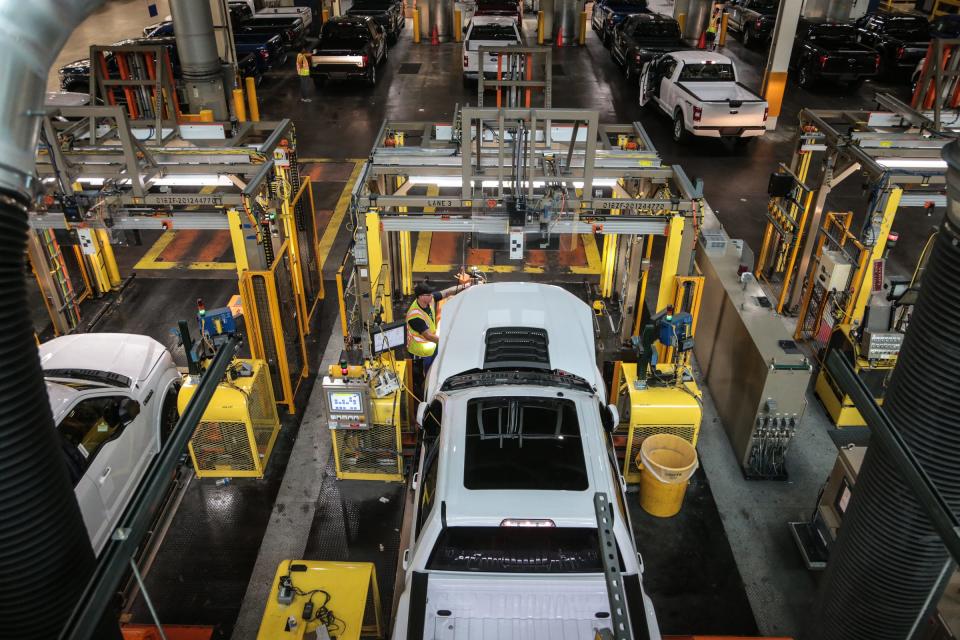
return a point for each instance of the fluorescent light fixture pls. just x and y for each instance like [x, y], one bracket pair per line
[450, 181]
[911, 163]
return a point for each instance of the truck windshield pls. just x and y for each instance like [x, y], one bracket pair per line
[493, 32]
[517, 550]
[707, 73]
[523, 443]
[657, 30]
[343, 38]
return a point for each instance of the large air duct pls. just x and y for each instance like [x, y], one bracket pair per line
[199, 59]
[888, 559]
[45, 554]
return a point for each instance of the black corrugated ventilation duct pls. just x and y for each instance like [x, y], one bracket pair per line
[45, 553]
[888, 558]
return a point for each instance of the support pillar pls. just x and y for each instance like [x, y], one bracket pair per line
[199, 59]
[781, 46]
[671, 259]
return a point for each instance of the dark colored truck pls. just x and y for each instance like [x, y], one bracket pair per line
[505, 8]
[290, 29]
[900, 39]
[831, 51]
[349, 47]
[611, 13]
[386, 13]
[641, 38]
[753, 20]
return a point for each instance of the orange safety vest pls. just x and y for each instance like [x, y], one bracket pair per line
[417, 345]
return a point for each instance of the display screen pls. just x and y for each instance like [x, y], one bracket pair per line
[345, 401]
[389, 336]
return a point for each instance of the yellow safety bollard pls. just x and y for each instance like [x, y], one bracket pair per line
[722, 36]
[324, 16]
[238, 106]
[583, 28]
[457, 25]
[416, 26]
[252, 99]
[539, 27]
[682, 21]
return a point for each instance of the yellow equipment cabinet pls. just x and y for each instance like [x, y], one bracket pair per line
[237, 432]
[367, 446]
[340, 593]
[653, 410]
[874, 372]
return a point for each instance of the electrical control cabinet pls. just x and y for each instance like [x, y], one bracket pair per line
[833, 272]
[880, 345]
[756, 374]
[347, 403]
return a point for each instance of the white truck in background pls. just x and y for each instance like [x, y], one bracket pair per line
[504, 542]
[487, 31]
[114, 402]
[700, 91]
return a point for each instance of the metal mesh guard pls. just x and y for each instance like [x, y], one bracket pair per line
[222, 446]
[372, 450]
[687, 432]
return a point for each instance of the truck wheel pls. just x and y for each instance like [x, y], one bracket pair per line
[748, 38]
[680, 134]
[372, 76]
[806, 79]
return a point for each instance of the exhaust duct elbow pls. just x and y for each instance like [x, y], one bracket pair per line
[32, 33]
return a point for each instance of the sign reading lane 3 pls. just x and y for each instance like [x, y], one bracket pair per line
[184, 199]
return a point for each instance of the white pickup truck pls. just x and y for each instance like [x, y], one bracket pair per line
[700, 91]
[487, 31]
[114, 401]
[504, 540]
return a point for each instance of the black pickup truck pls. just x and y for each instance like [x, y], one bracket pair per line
[349, 47]
[290, 29]
[642, 37]
[900, 39]
[386, 13]
[753, 20]
[831, 51]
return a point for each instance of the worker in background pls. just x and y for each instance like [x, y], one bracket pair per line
[713, 26]
[303, 73]
[422, 339]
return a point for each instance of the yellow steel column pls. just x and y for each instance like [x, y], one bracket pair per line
[238, 240]
[406, 255]
[682, 21]
[416, 26]
[722, 36]
[239, 106]
[671, 258]
[254, 106]
[109, 260]
[609, 260]
[886, 222]
[379, 272]
[644, 276]
[539, 27]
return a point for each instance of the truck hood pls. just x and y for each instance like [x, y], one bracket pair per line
[465, 319]
[128, 355]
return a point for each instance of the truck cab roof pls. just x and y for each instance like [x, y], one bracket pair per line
[700, 57]
[509, 326]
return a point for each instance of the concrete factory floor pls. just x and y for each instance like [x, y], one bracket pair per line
[727, 565]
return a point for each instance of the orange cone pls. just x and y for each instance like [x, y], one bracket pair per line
[434, 36]
[560, 37]
[702, 42]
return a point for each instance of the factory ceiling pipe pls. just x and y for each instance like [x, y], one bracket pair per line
[196, 43]
[887, 559]
[45, 554]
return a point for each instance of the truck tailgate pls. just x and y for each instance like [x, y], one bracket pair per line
[720, 114]
[486, 607]
[489, 59]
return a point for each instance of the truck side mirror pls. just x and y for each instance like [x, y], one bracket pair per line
[610, 418]
[128, 410]
[421, 413]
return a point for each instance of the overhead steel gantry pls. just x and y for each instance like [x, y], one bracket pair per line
[896, 151]
[100, 176]
[524, 175]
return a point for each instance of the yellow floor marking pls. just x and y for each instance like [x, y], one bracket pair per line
[592, 254]
[333, 226]
[150, 261]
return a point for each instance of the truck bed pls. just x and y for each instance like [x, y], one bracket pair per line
[720, 91]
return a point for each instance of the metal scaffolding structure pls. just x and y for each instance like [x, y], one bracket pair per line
[101, 175]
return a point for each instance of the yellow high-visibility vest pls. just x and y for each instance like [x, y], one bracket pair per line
[417, 345]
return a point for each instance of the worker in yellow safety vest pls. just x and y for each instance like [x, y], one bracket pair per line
[421, 320]
[303, 72]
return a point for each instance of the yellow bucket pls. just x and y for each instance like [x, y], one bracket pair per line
[666, 463]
